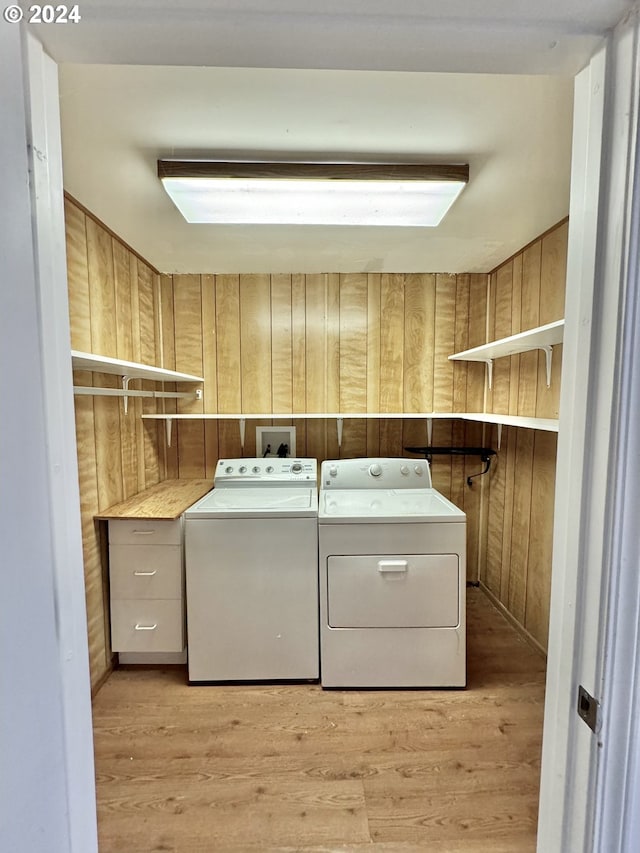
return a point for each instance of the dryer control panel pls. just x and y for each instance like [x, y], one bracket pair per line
[375, 473]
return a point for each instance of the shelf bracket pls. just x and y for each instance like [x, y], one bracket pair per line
[429, 430]
[499, 435]
[489, 365]
[168, 425]
[339, 425]
[242, 423]
[125, 389]
[548, 354]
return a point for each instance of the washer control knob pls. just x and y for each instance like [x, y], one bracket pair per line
[296, 468]
[333, 471]
[269, 469]
[228, 469]
[419, 471]
[255, 469]
[242, 469]
[375, 470]
[404, 469]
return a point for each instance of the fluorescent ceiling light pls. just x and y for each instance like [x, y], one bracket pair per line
[312, 193]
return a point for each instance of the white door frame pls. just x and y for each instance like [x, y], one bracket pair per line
[592, 461]
[47, 783]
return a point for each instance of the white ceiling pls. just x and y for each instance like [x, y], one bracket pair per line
[257, 82]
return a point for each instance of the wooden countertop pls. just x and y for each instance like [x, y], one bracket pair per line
[165, 501]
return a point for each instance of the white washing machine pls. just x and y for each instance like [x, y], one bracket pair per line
[392, 565]
[251, 557]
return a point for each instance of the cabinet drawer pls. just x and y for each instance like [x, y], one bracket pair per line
[145, 531]
[147, 626]
[145, 571]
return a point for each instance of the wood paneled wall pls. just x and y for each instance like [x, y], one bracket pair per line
[314, 343]
[518, 495]
[113, 307]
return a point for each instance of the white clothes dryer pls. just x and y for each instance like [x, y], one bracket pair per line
[392, 565]
[251, 562]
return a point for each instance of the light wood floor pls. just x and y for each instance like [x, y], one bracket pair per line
[296, 768]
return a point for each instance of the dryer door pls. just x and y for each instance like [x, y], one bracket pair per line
[397, 591]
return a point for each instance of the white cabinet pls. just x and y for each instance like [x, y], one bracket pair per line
[146, 573]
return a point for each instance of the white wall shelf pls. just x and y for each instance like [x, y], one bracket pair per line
[542, 337]
[132, 369]
[547, 424]
[128, 370]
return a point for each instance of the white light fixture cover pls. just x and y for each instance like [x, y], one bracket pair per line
[311, 194]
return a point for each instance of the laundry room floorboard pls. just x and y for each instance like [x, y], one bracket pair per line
[297, 768]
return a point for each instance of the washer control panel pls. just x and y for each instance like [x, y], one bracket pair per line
[268, 470]
[378, 473]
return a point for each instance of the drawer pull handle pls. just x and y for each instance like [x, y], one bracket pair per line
[145, 574]
[140, 627]
[143, 532]
[393, 566]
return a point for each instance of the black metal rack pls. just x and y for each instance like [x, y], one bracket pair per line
[485, 454]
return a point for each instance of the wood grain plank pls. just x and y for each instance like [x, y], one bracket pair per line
[441, 465]
[478, 283]
[392, 342]
[458, 478]
[444, 342]
[536, 619]
[530, 318]
[136, 402]
[553, 273]
[419, 342]
[281, 344]
[353, 342]
[316, 361]
[164, 501]
[509, 456]
[391, 437]
[99, 657]
[299, 370]
[477, 335]
[228, 349]
[491, 334]
[148, 355]
[124, 346]
[210, 371]
[123, 307]
[473, 437]
[516, 320]
[187, 320]
[460, 368]
[77, 277]
[495, 522]
[333, 285]
[101, 290]
[521, 529]
[168, 358]
[374, 329]
[187, 302]
[502, 329]
[107, 444]
[147, 314]
[316, 342]
[161, 443]
[530, 295]
[255, 342]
